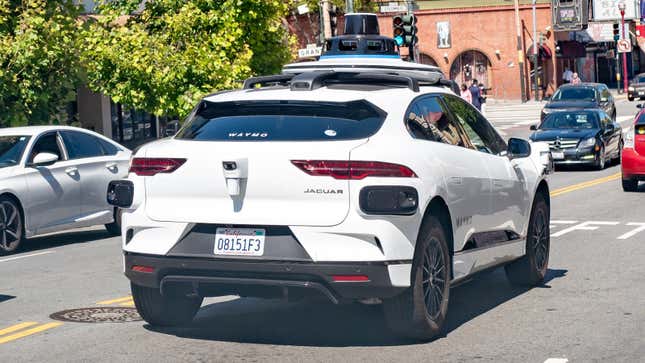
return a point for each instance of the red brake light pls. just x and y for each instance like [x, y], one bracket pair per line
[354, 170]
[350, 278]
[145, 269]
[152, 166]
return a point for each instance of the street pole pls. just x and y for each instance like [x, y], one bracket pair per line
[535, 55]
[520, 54]
[622, 24]
[326, 19]
[349, 6]
[412, 46]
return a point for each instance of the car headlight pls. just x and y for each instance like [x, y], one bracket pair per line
[630, 88]
[588, 142]
[629, 139]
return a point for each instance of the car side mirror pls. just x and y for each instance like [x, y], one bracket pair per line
[44, 159]
[518, 148]
[533, 127]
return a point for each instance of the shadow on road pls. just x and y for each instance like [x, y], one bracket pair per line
[4, 298]
[319, 324]
[62, 239]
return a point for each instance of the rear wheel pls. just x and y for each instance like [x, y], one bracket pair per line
[531, 269]
[619, 152]
[420, 312]
[630, 99]
[630, 185]
[164, 310]
[11, 231]
[114, 228]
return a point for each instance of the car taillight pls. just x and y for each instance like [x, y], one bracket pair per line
[354, 170]
[152, 166]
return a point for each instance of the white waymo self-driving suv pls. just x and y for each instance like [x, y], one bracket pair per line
[352, 185]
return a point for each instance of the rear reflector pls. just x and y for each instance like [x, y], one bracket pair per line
[354, 170]
[350, 278]
[152, 166]
[146, 269]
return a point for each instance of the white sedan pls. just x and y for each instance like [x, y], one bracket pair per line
[54, 178]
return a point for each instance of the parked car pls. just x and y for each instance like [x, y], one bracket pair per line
[54, 178]
[633, 156]
[581, 96]
[316, 183]
[588, 137]
[636, 89]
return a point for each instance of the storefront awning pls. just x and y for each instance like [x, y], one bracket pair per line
[544, 52]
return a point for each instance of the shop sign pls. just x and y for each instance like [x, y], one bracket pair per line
[602, 32]
[608, 9]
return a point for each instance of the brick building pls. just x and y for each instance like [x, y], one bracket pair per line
[479, 40]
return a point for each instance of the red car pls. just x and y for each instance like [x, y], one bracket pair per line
[633, 156]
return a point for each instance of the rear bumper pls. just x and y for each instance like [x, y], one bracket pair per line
[632, 164]
[635, 94]
[218, 277]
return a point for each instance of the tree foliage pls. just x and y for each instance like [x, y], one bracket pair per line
[169, 54]
[38, 61]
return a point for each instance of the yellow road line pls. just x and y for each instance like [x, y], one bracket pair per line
[115, 301]
[586, 184]
[129, 304]
[16, 327]
[28, 332]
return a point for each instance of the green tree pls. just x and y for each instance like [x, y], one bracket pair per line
[165, 57]
[38, 61]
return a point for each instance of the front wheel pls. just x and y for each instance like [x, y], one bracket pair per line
[114, 228]
[164, 310]
[600, 159]
[531, 269]
[630, 99]
[11, 231]
[619, 152]
[630, 185]
[420, 311]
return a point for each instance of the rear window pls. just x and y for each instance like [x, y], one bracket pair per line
[575, 93]
[282, 121]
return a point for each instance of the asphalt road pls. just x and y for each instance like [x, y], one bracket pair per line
[590, 308]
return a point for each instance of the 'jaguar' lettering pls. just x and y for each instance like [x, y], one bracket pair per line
[323, 191]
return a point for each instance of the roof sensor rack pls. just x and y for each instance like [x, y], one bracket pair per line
[263, 81]
[313, 80]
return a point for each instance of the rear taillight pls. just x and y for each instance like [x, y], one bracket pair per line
[152, 166]
[354, 170]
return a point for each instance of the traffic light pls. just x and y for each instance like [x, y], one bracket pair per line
[404, 30]
[616, 31]
[333, 19]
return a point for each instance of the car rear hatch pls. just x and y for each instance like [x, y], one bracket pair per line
[245, 163]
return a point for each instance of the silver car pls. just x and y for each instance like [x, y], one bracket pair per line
[54, 178]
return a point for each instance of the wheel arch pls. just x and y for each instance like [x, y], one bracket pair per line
[438, 208]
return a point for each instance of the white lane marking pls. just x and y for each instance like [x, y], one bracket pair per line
[633, 232]
[527, 122]
[554, 224]
[25, 256]
[556, 360]
[622, 119]
[584, 226]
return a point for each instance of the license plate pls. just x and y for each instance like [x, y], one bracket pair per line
[557, 155]
[239, 241]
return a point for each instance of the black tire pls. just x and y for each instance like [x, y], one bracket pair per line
[600, 161]
[420, 311]
[531, 268]
[11, 226]
[114, 228]
[619, 152]
[164, 310]
[630, 99]
[630, 185]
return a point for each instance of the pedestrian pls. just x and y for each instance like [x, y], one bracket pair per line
[575, 79]
[475, 93]
[567, 75]
[465, 93]
[482, 97]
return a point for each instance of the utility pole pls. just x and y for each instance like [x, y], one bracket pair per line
[520, 54]
[536, 52]
[326, 19]
[349, 6]
[621, 8]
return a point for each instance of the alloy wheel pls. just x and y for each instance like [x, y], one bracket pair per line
[10, 228]
[540, 240]
[434, 278]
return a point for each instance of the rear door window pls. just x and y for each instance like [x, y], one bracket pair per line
[81, 145]
[282, 121]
